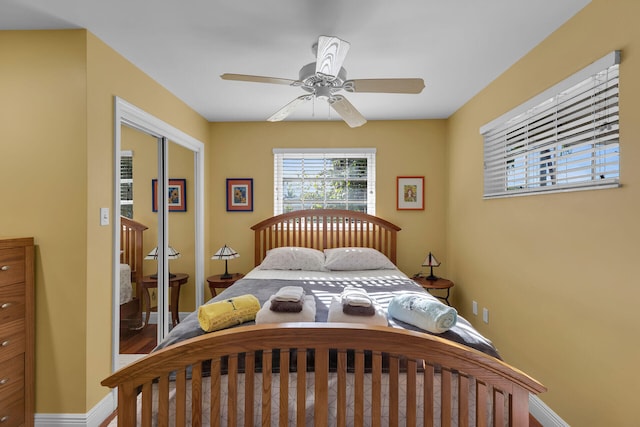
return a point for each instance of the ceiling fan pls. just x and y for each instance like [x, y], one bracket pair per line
[325, 77]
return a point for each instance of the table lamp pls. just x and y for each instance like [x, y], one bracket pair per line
[171, 254]
[431, 261]
[225, 253]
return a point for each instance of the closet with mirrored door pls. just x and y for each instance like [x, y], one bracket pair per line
[158, 250]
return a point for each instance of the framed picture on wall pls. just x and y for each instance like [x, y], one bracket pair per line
[410, 193]
[239, 194]
[176, 195]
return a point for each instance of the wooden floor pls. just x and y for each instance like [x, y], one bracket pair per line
[139, 342]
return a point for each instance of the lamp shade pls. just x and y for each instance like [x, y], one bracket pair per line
[171, 253]
[430, 261]
[225, 252]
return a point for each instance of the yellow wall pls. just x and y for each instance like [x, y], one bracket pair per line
[557, 272]
[56, 118]
[244, 150]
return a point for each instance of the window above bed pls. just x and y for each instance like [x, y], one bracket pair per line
[324, 179]
[566, 138]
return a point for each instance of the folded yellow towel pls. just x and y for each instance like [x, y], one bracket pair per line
[222, 314]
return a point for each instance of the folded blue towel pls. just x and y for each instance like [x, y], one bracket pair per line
[423, 311]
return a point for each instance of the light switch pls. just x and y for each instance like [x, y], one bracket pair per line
[104, 216]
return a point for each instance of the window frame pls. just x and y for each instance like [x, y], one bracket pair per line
[560, 140]
[280, 154]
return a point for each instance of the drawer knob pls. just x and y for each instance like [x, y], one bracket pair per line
[4, 343]
[5, 305]
[3, 381]
[4, 419]
[4, 268]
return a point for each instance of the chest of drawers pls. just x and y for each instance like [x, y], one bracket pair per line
[16, 332]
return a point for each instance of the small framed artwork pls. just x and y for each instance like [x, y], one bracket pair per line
[410, 193]
[176, 195]
[239, 194]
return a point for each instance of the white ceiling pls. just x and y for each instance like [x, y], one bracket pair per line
[456, 46]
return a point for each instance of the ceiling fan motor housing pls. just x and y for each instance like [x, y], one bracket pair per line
[322, 86]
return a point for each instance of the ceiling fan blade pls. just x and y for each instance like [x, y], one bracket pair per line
[347, 111]
[331, 54]
[259, 79]
[289, 108]
[385, 85]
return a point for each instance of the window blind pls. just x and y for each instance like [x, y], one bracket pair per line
[324, 179]
[569, 140]
[126, 184]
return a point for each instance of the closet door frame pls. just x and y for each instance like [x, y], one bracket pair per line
[126, 114]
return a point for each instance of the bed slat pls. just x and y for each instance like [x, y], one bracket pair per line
[196, 394]
[359, 389]
[249, 387]
[321, 371]
[214, 412]
[376, 388]
[284, 388]
[301, 389]
[266, 388]
[394, 384]
[341, 394]
[411, 407]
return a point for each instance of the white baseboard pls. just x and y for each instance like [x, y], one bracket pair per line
[93, 418]
[544, 414]
[153, 318]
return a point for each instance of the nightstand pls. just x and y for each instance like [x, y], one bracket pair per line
[440, 283]
[217, 282]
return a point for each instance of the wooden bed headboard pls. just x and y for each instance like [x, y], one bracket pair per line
[131, 247]
[325, 229]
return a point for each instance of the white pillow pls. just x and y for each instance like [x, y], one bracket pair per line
[293, 258]
[356, 259]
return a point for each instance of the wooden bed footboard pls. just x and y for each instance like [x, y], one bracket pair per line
[457, 384]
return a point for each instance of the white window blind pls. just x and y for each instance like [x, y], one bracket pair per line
[564, 139]
[324, 179]
[126, 183]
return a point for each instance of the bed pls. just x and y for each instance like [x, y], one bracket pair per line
[349, 372]
[131, 256]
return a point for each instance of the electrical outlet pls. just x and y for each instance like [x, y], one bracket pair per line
[485, 315]
[475, 308]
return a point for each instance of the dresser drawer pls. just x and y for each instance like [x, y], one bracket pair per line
[11, 381]
[11, 266]
[12, 340]
[12, 302]
[12, 414]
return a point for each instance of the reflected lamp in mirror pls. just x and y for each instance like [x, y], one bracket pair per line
[171, 254]
[431, 261]
[225, 253]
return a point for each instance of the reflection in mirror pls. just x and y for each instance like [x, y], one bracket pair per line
[137, 167]
[148, 143]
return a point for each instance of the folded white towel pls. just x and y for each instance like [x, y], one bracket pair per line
[308, 313]
[356, 297]
[290, 293]
[336, 314]
[423, 311]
